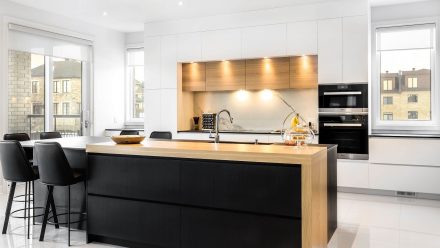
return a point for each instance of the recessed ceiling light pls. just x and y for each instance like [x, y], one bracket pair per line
[180, 3]
[104, 13]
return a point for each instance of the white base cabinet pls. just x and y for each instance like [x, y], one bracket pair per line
[353, 173]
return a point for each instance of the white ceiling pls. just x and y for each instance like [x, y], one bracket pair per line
[130, 15]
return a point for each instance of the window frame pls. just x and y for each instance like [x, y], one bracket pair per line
[129, 86]
[379, 126]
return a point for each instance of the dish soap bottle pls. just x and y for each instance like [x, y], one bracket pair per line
[295, 122]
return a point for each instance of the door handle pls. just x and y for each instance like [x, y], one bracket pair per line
[342, 93]
[342, 125]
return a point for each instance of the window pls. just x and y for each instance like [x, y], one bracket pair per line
[67, 87]
[55, 108]
[56, 87]
[413, 99]
[387, 100]
[37, 109]
[35, 86]
[135, 85]
[66, 108]
[388, 116]
[405, 58]
[412, 82]
[413, 115]
[388, 84]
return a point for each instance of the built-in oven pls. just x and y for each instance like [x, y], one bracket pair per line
[339, 98]
[343, 118]
[348, 131]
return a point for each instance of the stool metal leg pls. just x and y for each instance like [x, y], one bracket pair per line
[29, 210]
[8, 207]
[68, 217]
[33, 203]
[46, 211]
[54, 210]
[25, 206]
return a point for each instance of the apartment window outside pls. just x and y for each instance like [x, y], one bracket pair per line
[413, 99]
[56, 87]
[412, 82]
[67, 86]
[55, 108]
[387, 100]
[387, 85]
[405, 56]
[37, 109]
[413, 115]
[66, 108]
[388, 116]
[35, 85]
[135, 85]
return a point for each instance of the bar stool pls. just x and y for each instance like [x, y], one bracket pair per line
[50, 135]
[129, 132]
[17, 168]
[56, 171]
[161, 135]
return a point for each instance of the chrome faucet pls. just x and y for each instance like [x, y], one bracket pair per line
[217, 121]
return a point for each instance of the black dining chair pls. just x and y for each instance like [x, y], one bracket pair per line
[20, 137]
[16, 136]
[55, 171]
[50, 135]
[129, 132]
[17, 169]
[161, 135]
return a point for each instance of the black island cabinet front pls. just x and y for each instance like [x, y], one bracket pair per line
[164, 202]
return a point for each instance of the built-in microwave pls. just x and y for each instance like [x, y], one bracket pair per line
[339, 98]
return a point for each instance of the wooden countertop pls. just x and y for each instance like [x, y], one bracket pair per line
[222, 151]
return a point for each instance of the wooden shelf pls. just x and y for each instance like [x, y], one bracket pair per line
[304, 72]
[194, 77]
[270, 73]
[226, 75]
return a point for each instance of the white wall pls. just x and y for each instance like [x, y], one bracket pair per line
[252, 34]
[134, 38]
[109, 63]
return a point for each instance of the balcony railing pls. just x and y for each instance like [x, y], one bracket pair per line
[67, 125]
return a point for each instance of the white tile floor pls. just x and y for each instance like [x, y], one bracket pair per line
[365, 221]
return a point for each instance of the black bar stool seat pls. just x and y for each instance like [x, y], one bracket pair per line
[129, 132]
[50, 135]
[161, 135]
[55, 171]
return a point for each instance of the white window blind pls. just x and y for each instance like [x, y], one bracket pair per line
[409, 37]
[37, 41]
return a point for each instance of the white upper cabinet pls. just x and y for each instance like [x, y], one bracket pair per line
[302, 38]
[330, 51]
[152, 67]
[355, 50]
[189, 47]
[168, 62]
[222, 44]
[264, 41]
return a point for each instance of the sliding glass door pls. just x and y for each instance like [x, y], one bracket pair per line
[48, 82]
[45, 94]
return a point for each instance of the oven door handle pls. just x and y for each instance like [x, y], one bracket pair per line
[342, 125]
[342, 93]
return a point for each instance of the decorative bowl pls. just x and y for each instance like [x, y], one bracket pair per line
[128, 139]
[297, 137]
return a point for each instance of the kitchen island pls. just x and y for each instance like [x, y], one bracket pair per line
[199, 194]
